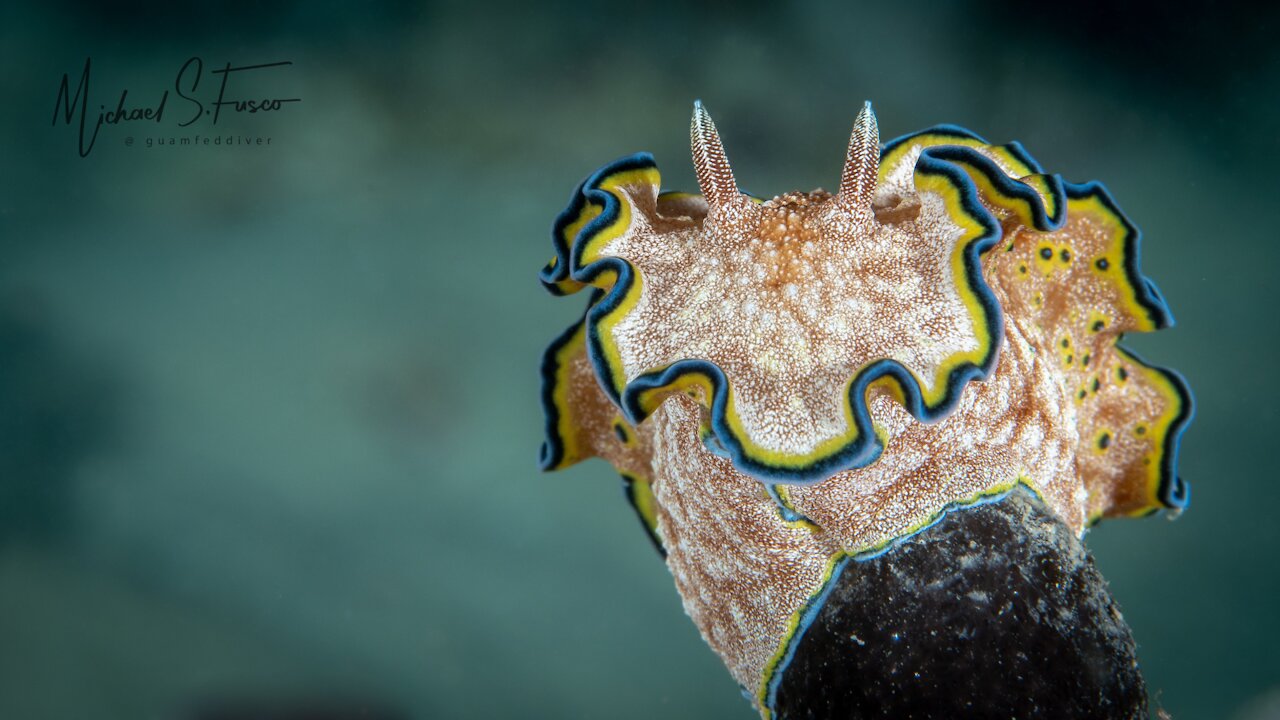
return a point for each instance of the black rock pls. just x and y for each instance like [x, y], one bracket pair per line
[996, 611]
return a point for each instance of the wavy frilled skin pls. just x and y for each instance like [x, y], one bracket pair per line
[790, 384]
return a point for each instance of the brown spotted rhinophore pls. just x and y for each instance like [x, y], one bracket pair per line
[792, 385]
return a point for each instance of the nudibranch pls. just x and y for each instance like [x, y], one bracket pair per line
[795, 389]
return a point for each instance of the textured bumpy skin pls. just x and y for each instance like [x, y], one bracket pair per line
[787, 384]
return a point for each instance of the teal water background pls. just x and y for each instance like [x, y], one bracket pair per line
[269, 418]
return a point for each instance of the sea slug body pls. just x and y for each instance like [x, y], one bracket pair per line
[789, 385]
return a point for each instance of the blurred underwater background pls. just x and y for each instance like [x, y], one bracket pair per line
[269, 414]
